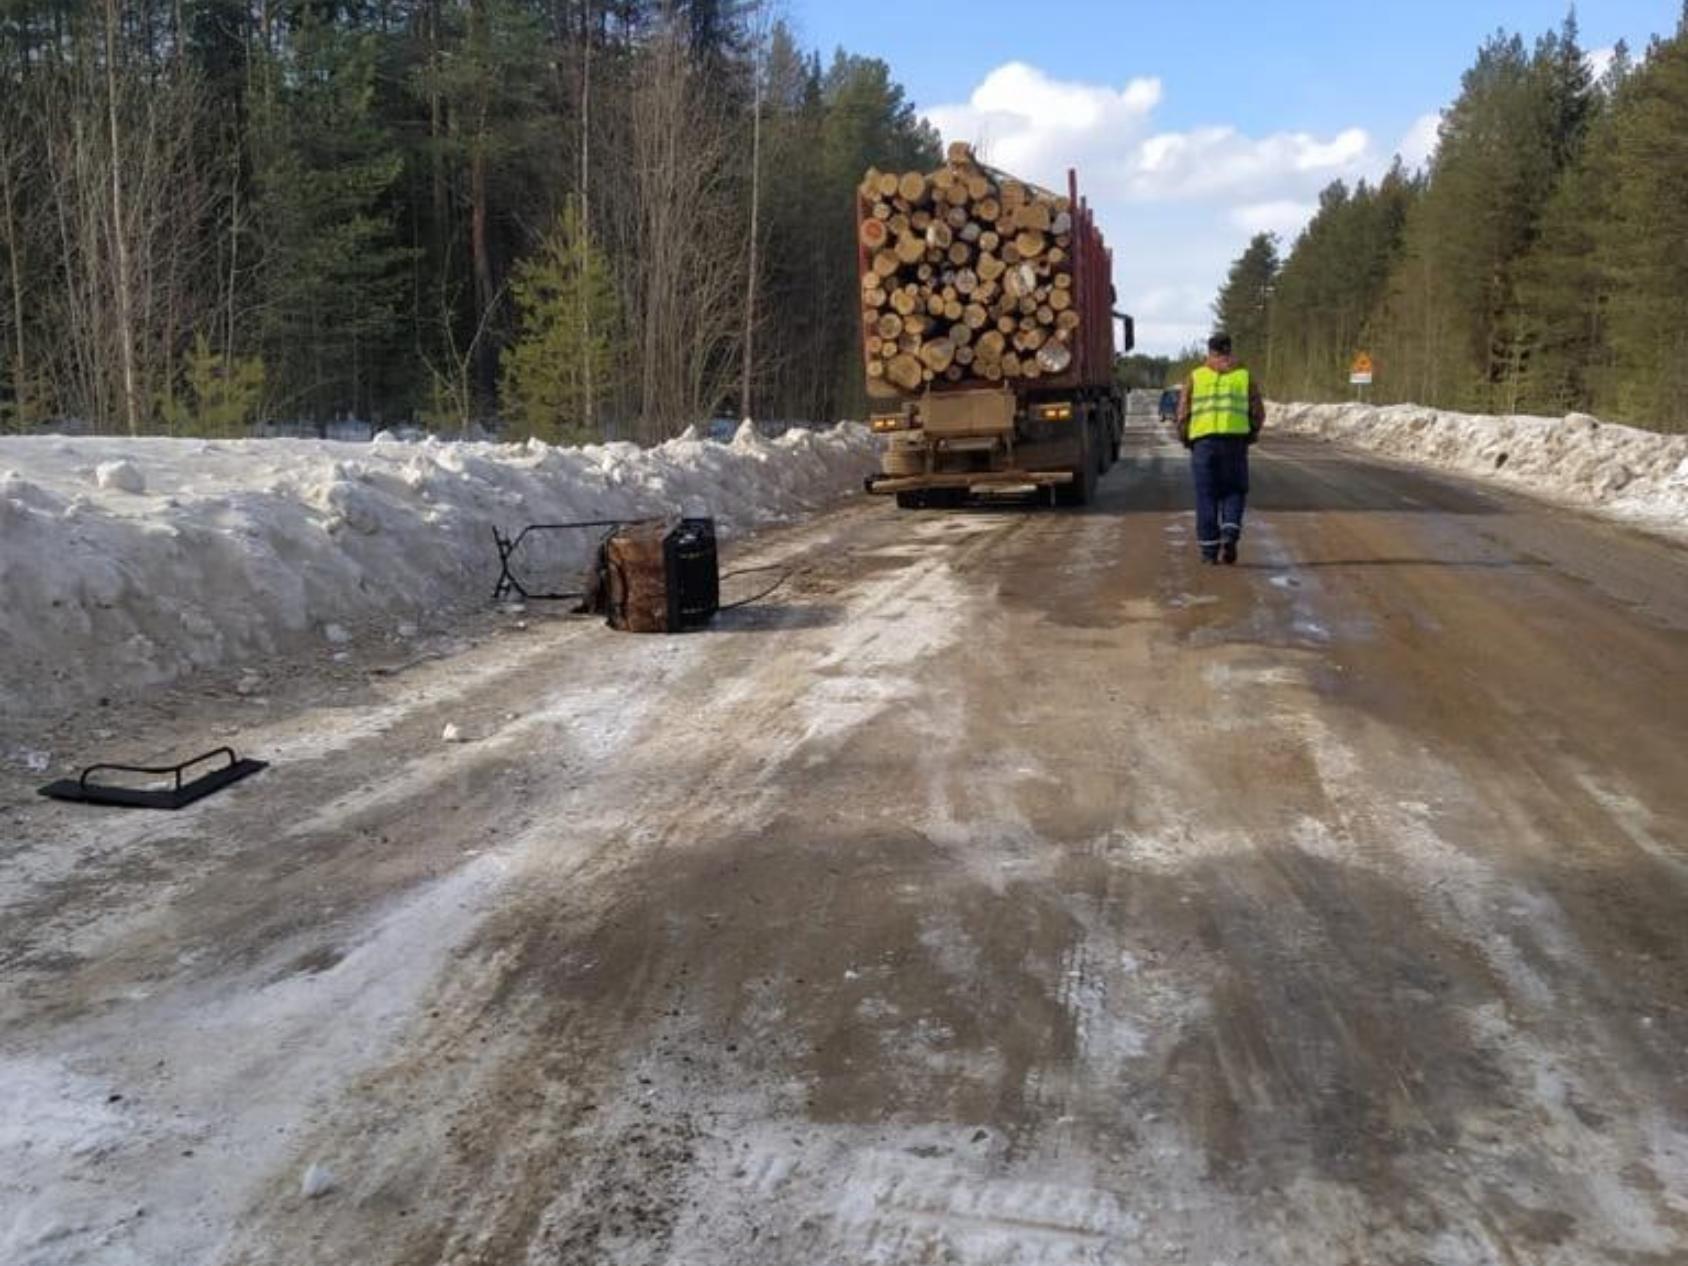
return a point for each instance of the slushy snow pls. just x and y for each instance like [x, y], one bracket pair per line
[126, 563]
[1638, 476]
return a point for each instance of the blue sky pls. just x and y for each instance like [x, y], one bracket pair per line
[1190, 133]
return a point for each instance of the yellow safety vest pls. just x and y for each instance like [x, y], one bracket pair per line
[1218, 403]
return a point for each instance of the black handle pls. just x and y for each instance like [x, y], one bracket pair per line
[159, 769]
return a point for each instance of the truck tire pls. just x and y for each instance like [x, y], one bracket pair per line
[911, 501]
[1082, 490]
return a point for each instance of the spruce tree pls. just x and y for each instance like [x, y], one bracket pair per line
[332, 274]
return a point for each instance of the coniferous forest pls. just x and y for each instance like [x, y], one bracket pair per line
[1537, 265]
[562, 218]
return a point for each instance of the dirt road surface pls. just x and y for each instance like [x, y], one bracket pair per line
[1007, 889]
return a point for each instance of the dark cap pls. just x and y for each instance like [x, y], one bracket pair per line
[1220, 344]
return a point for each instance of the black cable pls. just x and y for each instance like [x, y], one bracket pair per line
[745, 602]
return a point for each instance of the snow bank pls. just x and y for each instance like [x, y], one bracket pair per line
[1630, 474]
[203, 553]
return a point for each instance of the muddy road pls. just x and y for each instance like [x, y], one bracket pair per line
[1007, 888]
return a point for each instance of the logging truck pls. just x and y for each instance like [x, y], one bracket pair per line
[987, 335]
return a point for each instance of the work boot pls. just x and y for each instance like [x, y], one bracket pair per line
[1228, 550]
[1210, 557]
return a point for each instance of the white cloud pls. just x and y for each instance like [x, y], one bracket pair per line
[1285, 216]
[1177, 206]
[1599, 61]
[1418, 146]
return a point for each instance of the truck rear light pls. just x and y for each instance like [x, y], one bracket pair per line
[1053, 412]
[882, 422]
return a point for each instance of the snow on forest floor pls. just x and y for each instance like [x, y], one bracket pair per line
[128, 563]
[1638, 476]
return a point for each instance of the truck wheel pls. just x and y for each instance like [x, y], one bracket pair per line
[911, 501]
[1082, 490]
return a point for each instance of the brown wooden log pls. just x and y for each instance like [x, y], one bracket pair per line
[990, 267]
[966, 281]
[974, 315]
[957, 217]
[988, 209]
[909, 343]
[1060, 299]
[888, 184]
[970, 232]
[1007, 324]
[989, 240]
[882, 210]
[910, 249]
[885, 263]
[1030, 243]
[1010, 253]
[888, 325]
[873, 233]
[935, 303]
[904, 370]
[938, 355]
[925, 272]
[964, 355]
[1063, 281]
[1054, 357]
[960, 154]
[926, 375]
[956, 196]
[915, 324]
[1033, 216]
[1056, 256]
[920, 219]
[900, 206]
[1045, 315]
[912, 186]
[986, 292]
[951, 308]
[904, 300]
[961, 334]
[1036, 337]
[1028, 306]
[1068, 320]
[939, 235]
[876, 368]
[1029, 368]
[898, 224]
[989, 370]
[960, 253]
[1012, 195]
[875, 298]
[990, 345]
[955, 373]
[1011, 365]
[1062, 224]
[978, 185]
[1019, 281]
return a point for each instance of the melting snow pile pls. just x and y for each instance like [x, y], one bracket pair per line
[1639, 476]
[131, 562]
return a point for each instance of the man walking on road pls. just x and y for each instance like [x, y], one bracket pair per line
[1219, 417]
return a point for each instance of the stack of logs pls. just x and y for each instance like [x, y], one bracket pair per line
[970, 276]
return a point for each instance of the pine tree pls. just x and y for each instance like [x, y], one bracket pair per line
[1244, 306]
[1640, 241]
[561, 366]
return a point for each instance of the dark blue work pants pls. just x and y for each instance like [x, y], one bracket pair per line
[1220, 466]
